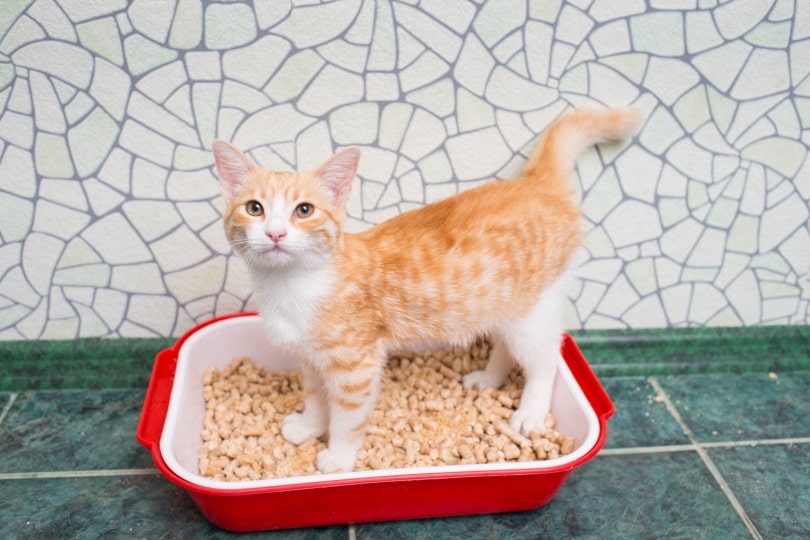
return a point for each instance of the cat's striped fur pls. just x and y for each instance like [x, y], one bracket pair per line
[489, 261]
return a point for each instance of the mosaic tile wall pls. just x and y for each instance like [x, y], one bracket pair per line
[110, 211]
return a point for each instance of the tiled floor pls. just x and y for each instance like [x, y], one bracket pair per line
[708, 446]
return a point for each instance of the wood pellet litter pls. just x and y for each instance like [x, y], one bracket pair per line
[423, 417]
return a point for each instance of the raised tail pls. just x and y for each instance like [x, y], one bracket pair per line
[566, 139]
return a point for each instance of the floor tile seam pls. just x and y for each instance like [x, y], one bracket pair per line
[707, 460]
[89, 473]
[726, 488]
[693, 446]
[628, 451]
[12, 398]
[645, 450]
[755, 442]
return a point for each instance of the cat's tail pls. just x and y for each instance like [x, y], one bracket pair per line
[555, 158]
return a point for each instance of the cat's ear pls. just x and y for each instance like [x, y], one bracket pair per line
[337, 174]
[233, 168]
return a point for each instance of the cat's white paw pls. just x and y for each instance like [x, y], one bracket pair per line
[333, 461]
[480, 380]
[298, 428]
[525, 421]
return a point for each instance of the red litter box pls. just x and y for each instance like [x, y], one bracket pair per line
[172, 419]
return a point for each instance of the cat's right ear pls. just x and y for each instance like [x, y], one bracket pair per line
[233, 168]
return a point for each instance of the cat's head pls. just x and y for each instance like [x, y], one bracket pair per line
[281, 219]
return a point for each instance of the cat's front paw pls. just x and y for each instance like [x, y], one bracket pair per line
[480, 380]
[525, 421]
[334, 461]
[298, 428]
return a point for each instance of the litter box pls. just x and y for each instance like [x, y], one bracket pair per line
[172, 419]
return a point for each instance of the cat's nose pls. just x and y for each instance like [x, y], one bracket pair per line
[276, 235]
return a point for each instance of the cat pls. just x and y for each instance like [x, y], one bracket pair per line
[493, 260]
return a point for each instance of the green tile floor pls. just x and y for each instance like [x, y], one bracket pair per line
[710, 439]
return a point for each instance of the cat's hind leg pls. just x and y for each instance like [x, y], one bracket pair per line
[314, 420]
[534, 343]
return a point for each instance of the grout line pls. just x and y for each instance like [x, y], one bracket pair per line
[762, 442]
[640, 450]
[12, 398]
[76, 474]
[715, 472]
[630, 451]
[352, 532]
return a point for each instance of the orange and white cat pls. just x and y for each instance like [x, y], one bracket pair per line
[489, 261]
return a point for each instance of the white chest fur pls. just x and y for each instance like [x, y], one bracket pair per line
[289, 301]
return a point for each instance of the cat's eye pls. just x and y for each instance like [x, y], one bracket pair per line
[304, 210]
[254, 208]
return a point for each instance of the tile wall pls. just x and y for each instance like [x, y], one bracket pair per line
[110, 210]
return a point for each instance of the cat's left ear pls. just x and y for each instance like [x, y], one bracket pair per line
[337, 174]
[233, 168]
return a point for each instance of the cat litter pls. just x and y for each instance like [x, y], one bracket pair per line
[424, 417]
[430, 477]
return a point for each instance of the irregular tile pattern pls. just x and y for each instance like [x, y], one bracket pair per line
[109, 208]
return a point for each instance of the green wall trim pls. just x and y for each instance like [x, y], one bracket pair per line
[77, 364]
[127, 363]
[675, 351]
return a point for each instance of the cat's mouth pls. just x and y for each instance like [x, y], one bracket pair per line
[268, 247]
[273, 249]
[274, 253]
